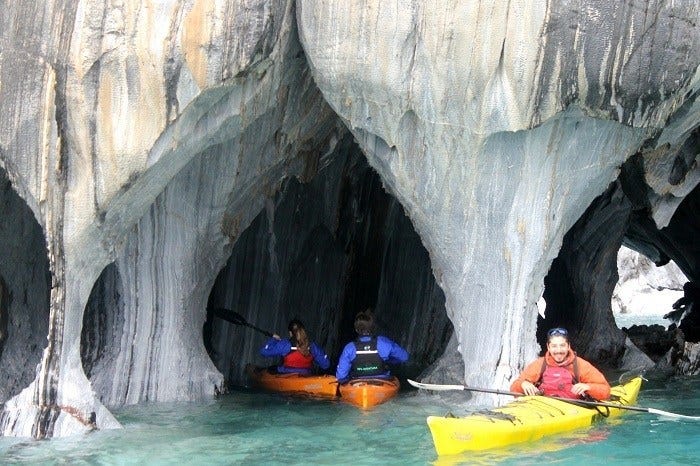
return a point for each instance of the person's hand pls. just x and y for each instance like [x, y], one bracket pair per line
[580, 388]
[529, 388]
[276, 337]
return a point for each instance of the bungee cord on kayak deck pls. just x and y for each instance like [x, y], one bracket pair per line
[536, 417]
[440, 387]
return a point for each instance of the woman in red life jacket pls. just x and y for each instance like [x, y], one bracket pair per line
[297, 352]
[561, 373]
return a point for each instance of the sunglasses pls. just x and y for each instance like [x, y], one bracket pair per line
[557, 331]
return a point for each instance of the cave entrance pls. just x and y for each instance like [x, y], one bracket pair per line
[645, 293]
[103, 323]
[25, 287]
[4, 313]
[320, 252]
[580, 283]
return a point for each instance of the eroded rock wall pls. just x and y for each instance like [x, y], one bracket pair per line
[149, 135]
[322, 251]
[25, 284]
[496, 125]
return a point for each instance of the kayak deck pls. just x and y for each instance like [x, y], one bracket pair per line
[367, 393]
[318, 386]
[523, 420]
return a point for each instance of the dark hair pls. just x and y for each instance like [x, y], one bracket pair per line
[295, 323]
[364, 322]
[557, 332]
[300, 338]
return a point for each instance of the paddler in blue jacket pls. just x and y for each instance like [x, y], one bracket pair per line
[369, 355]
[297, 352]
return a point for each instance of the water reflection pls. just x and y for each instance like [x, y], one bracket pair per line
[526, 453]
[252, 428]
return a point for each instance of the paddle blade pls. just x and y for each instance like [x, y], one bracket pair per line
[672, 415]
[237, 319]
[228, 315]
[431, 386]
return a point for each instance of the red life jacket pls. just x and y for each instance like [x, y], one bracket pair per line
[558, 380]
[297, 360]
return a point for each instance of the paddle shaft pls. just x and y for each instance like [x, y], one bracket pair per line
[428, 386]
[235, 318]
[568, 400]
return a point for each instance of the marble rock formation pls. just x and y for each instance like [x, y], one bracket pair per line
[497, 125]
[139, 141]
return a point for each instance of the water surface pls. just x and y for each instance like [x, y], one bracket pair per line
[243, 427]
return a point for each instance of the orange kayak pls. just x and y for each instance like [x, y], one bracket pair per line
[322, 386]
[367, 393]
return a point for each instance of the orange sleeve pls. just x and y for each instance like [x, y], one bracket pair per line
[531, 373]
[600, 388]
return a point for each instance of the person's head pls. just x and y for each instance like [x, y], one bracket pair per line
[558, 343]
[294, 324]
[364, 323]
[298, 335]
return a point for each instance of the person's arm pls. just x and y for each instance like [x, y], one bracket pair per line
[345, 363]
[395, 354]
[320, 356]
[591, 381]
[275, 347]
[531, 374]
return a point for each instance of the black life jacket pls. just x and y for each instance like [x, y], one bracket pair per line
[367, 362]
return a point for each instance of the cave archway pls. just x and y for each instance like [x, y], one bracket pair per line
[103, 324]
[25, 285]
[322, 251]
[645, 292]
[4, 313]
[582, 277]
[581, 280]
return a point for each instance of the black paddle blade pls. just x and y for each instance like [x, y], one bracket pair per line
[235, 318]
[228, 315]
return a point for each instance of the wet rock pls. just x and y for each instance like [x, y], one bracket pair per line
[667, 348]
[653, 340]
[689, 362]
[634, 359]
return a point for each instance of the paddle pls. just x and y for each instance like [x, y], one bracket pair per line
[430, 386]
[236, 318]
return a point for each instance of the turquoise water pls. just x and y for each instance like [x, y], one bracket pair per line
[628, 320]
[253, 428]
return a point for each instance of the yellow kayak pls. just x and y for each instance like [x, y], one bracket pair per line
[523, 420]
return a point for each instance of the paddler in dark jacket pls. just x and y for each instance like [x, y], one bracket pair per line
[561, 373]
[369, 355]
[297, 352]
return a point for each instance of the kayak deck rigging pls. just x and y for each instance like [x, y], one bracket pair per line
[525, 419]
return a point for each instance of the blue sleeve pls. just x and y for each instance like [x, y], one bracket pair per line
[320, 356]
[390, 351]
[275, 347]
[345, 362]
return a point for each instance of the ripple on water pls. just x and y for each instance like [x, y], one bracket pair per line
[253, 428]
